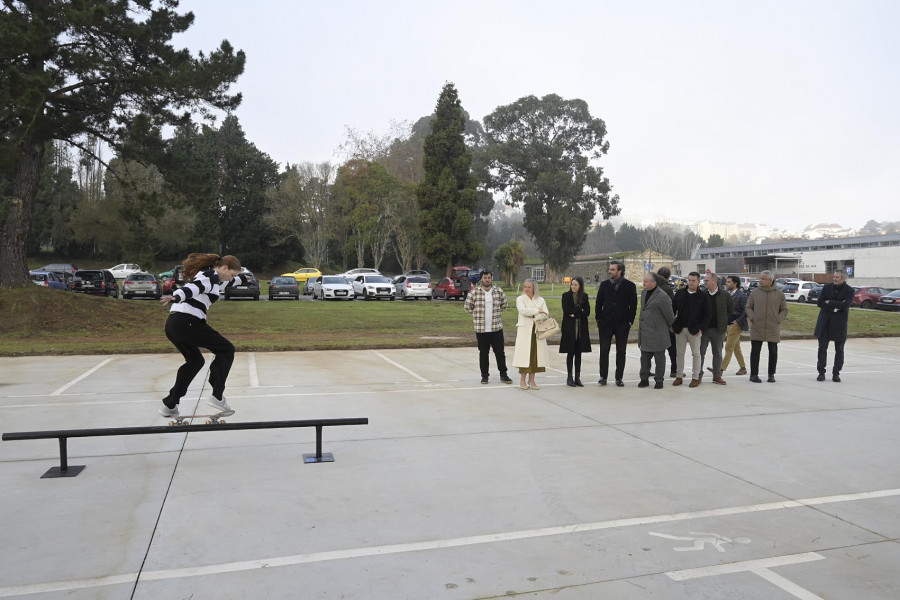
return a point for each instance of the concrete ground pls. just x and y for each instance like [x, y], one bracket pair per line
[456, 490]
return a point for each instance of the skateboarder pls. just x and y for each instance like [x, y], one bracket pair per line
[207, 275]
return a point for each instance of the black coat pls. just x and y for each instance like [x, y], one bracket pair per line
[582, 312]
[615, 310]
[834, 312]
[691, 310]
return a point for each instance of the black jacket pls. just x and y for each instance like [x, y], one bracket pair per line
[581, 311]
[691, 310]
[834, 312]
[615, 310]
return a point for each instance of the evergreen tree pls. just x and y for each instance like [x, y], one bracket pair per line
[447, 196]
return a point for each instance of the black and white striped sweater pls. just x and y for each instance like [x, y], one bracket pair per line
[196, 297]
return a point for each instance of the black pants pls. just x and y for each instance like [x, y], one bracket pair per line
[823, 356]
[189, 334]
[606, 336]
[755, 350]
[573, 358]
[673, 352]
[486, 342]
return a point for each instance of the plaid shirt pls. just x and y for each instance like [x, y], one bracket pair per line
[475, 307]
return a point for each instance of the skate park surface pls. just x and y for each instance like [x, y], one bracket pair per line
[456, 490]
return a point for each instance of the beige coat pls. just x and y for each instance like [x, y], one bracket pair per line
[766, 309]
[529, 312]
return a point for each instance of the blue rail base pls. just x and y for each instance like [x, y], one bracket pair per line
[318, 458]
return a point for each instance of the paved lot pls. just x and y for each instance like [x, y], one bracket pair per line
[456, 490]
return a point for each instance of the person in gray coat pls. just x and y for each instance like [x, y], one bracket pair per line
[653, 330]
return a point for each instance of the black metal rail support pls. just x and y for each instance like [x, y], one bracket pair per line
[66, 470]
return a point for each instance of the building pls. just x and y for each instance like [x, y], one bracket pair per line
[869, 260]
[597, 266]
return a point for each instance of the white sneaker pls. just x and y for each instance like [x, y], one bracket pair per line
[220, 405]
[169, 412]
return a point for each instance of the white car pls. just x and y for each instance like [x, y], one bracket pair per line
[124, 270]
[373, 286]
[332, 287]
[354, 273]
[412, 287]
[798, 291]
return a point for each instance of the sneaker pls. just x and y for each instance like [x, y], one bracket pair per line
[742, 371]
[505, 379]
[220, 405]
[821, 377]
[169, 412]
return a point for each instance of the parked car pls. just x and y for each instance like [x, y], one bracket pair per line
[309, 286]
[779, 283]
[412, 287]
[446, 289]
[747, 281]
[303, 274]
[250, 290]
[98, 282]
[798, 291]
[814, 293]
[354, 273]
[332, 287]
[889, 301]
[373, 286]
[419, 273]
[868, 296]
[64, 267]
[125, 269]
[461, 277]
[141, 285]
[284, 288]
[50, 279]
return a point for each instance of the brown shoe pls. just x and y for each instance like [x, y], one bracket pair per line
[694, 383]
[677, 381]
[741, 371]
[719, 380]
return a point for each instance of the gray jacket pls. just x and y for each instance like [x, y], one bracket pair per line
[654, 322]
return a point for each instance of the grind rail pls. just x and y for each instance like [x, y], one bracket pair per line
[66, 470]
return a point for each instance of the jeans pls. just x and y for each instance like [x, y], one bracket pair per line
[755, 349]
[189, 334]
[487, 341]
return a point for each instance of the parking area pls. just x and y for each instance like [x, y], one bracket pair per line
[456, 490]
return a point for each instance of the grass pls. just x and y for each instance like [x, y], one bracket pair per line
[35, 321]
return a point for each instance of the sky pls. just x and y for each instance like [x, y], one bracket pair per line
[781, 112]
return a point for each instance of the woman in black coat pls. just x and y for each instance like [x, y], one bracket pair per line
[575, 333]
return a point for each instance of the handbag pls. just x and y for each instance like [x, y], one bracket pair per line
[546, 328]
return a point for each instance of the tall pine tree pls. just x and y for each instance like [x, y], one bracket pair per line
[447, 196]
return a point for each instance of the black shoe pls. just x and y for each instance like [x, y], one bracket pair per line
[570, 382]
[505, 379]
[484, 379]
[620, 383]
[673, 374]
[658, 386]
[602, 381]
[578, 382]
[644, 383]
[771, 379]
[835, 378]
[755, 379]
[821, 377]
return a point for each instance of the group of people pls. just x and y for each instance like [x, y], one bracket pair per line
[705, 320]
[693, 317]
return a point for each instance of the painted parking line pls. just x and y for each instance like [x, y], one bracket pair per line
[251, 369]
[399, 366]
[390, 549]
[60, 390]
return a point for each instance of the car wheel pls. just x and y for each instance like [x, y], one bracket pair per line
[392, 298]
[256, 297]
[866, 304]
[809, 300]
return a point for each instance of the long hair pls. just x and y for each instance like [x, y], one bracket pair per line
[577, 297]
[198, 261]
[537, 292]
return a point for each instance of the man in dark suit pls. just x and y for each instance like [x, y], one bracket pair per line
[831, 326]
[614, 311]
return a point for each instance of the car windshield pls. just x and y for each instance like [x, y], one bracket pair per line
[789, 288]
[284, 281]
[142, 277]
[894, 294]
[334, 279]
[377, 279]
[417, 280]
[85, 275]
[38, 277]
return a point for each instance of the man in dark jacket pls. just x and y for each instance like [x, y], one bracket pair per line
[831, 326]
[614, 311]
[720, 308]
[664, 285]
[691, 314]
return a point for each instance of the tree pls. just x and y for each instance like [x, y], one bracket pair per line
[55, 203]
[629, 238]
[447, 196]
[715, 241]
[298, 208]
[104, 68]
[543, 154]
[510, 258]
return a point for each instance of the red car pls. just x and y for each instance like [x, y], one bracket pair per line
[447, 289]
[867, 297]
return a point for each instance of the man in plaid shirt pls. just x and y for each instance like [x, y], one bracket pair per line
[486, 303]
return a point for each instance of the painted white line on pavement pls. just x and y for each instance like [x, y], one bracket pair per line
[399, 366]
[315, 557]
[59, 391]
[251, 368]
[786, 584]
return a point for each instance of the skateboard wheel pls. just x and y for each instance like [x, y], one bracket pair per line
[221, 421]
[209, 421]
[171, 422]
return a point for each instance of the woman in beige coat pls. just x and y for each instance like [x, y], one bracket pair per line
[531, 353]
[766, 309]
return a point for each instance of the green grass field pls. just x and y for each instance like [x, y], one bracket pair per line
[40, 321]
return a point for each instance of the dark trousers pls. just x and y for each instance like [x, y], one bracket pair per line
[755, 349]
[823, 356]
[660, 358]
[673, 352]
[189, 334]
[606, 336]
[712, 337]
[487, 341]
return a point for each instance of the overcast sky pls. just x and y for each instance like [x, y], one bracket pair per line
[782, 112]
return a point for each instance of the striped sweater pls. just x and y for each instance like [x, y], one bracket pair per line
[196, 297]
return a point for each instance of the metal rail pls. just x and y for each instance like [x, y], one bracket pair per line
[65, 470]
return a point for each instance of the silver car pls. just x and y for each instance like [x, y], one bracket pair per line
[141, 285]
[412, 287]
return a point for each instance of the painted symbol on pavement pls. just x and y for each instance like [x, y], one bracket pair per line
[700, 539]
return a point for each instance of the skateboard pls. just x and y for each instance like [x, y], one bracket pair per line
[214, 419]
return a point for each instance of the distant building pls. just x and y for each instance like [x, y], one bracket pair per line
[636, 264]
